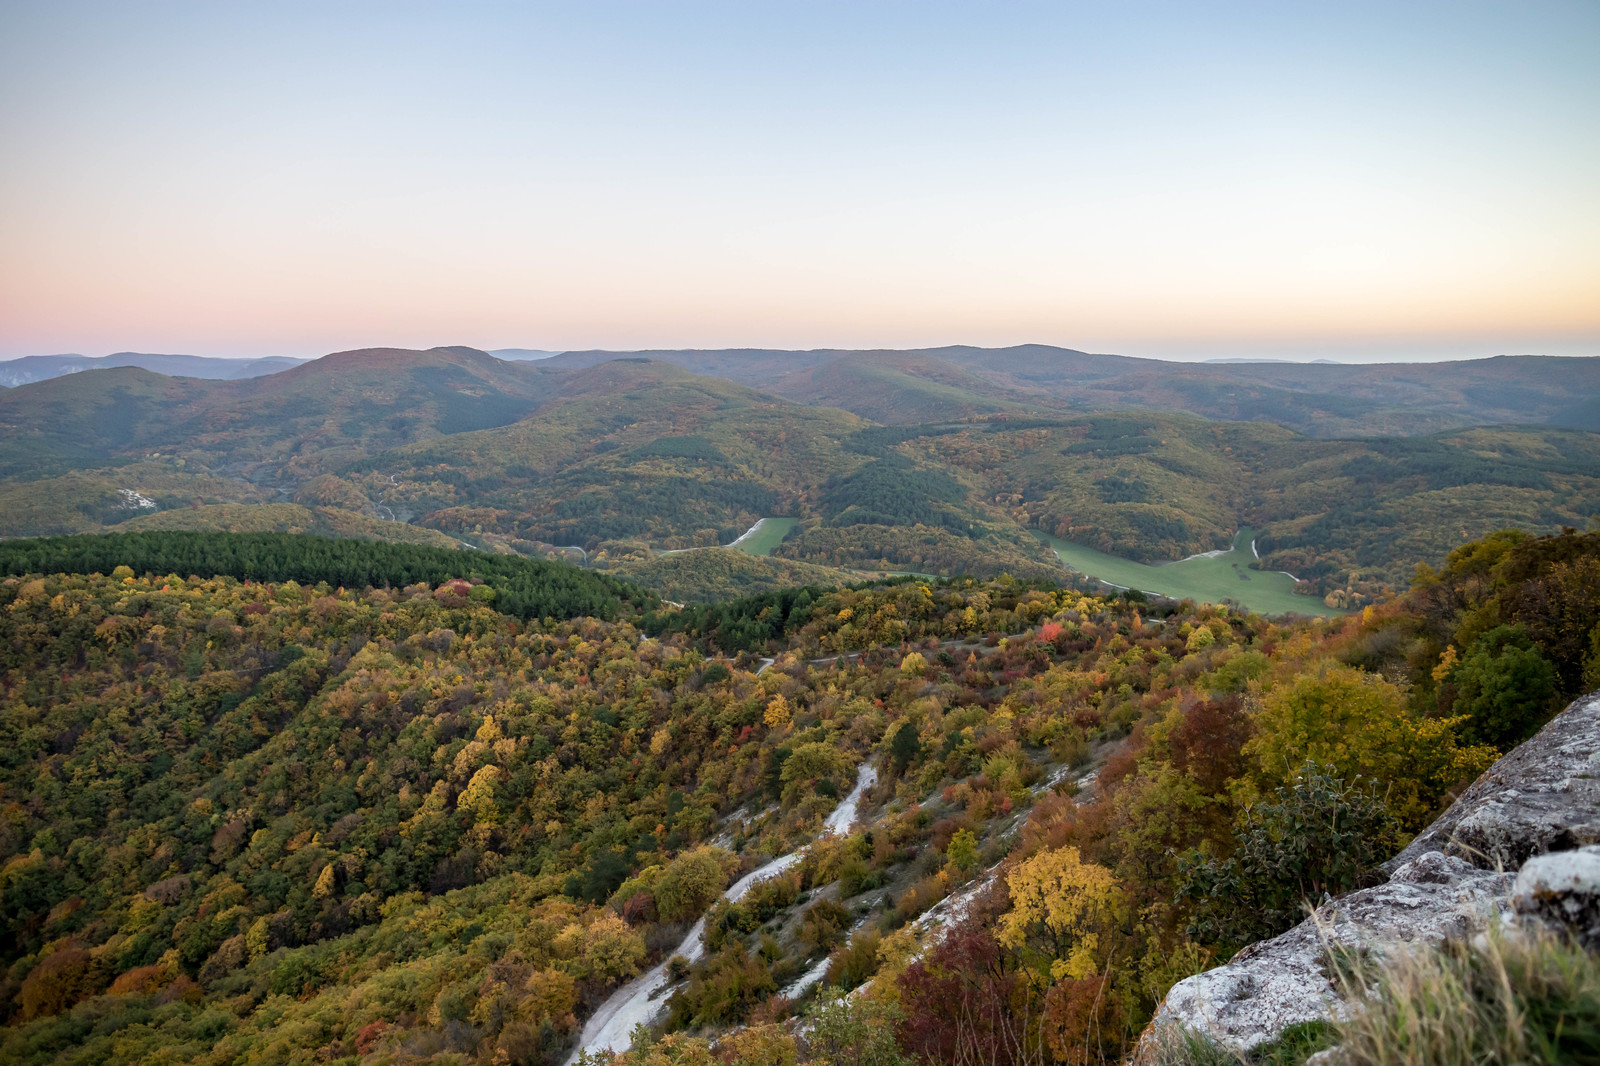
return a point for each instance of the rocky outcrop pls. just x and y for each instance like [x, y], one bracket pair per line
[1544, 796]
[1505, 848]
[1562, 891]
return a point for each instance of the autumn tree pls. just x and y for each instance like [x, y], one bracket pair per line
[1359, 726]
[1063, 911]
[691, 882]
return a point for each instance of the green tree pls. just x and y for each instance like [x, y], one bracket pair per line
[1505, 687]
[905, 748]
[963, 850]
[691, 883]
[1320, 836]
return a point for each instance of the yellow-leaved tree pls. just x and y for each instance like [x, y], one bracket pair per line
[478, 797]
[1062, 910]
[1358, 724]
[692, 882]
[778, 713]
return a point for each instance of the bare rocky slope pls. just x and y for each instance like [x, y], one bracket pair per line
[1520, 844]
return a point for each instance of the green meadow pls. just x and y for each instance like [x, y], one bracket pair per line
[768, 537]
[1210, 579]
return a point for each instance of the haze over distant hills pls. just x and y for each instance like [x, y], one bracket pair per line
[521, 354]
[31, 368]
[897, 387]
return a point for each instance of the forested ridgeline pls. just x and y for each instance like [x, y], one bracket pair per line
[266, 822]
[525, 588]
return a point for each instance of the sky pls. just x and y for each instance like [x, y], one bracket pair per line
[1355, 181]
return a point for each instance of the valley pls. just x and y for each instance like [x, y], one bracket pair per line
[616, 462]
[450, 665]
[1213, 577]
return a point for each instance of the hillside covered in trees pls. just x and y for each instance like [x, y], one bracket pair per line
[947, 465]
[294, 820]
[524, 588]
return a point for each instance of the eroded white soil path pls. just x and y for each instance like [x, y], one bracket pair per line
[610, 1028]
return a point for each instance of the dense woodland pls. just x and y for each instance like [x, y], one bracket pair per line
[275, 820]
[524, 588]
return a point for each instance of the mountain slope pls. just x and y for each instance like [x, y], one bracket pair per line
[321, 820]
[898, 389]
[1319, 399]
[627, 448]
[67, 422]
[278, 428]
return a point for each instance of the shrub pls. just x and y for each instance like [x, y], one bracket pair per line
[855, 1030]
[823, 925]
[723, 989]
[856, 962]
[965, 1003]
[1505, 687]
[1320, 836]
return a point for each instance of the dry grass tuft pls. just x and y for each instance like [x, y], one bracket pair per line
[1508, 998]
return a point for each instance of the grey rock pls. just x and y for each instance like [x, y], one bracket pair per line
[1284, 981]
[1448, 884]
[1543, 796]
[1561, 891]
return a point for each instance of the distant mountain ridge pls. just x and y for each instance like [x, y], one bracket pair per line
[522, 354]
[32, 368]
[1321, 399]
[910, 386]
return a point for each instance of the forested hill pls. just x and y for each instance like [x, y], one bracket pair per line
[246, 824]
[620, 462]
[1319, 399]
[525, 588]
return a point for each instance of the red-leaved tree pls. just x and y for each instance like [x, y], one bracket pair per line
[966, 1005]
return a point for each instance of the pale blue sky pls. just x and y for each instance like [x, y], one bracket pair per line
[1175, 179]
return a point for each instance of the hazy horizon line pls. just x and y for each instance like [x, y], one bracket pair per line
[1341, 359]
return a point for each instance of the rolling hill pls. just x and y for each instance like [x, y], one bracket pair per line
[953, 461]
[1319, 399]
[31, 368]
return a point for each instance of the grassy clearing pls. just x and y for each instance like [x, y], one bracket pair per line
[1225, 576]
[768, 536]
